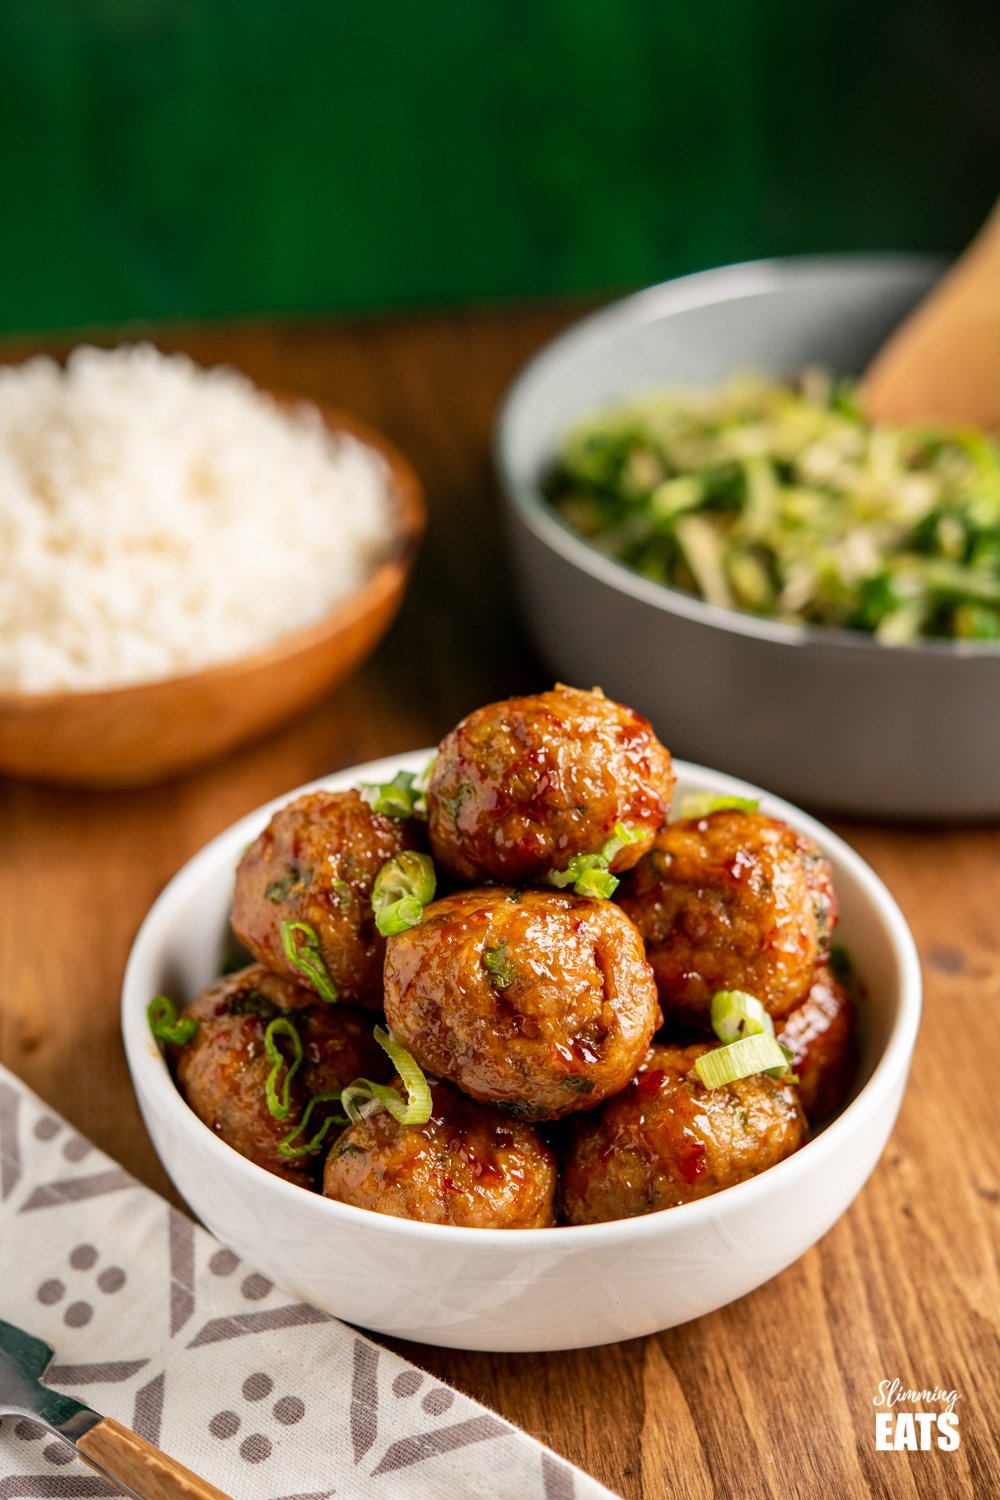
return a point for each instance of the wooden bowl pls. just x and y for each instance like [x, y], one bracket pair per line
[136, 735]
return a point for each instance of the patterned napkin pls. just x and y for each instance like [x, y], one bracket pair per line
[155, 1323]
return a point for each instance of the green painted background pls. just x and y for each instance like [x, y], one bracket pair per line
[178, 158]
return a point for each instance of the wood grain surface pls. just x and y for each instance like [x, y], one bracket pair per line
[771, 1396]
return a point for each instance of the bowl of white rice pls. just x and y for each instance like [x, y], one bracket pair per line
[186, 560]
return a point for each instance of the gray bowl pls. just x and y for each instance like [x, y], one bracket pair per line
[828, 718]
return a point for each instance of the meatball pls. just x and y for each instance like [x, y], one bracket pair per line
[467, 1165]
[669, 1140]
[535, 1000]
[222, 1072]
[819, 1031]
[724, 903]
[819, 879]
[316, 862]
[520, 787]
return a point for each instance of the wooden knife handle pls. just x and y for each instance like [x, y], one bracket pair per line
[152, 1474]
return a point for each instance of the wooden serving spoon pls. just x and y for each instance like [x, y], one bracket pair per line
[943, 363]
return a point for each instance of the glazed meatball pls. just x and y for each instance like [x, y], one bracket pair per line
[820, 1033]
[819, 879]
[468, 1165]
[222, 1071]
[316, 862]
[520, 787]
[535, 1000]
[725, 902]
[669, 1140]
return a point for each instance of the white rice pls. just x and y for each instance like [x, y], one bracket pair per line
[156, 518]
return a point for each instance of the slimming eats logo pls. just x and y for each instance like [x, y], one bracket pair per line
[915, 1431]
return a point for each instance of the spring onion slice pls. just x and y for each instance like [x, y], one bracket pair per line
[289, 1146]
[736, 1014]
[700, 804]
[784, 1071]
[415, 1110]
[402, 888]
[622, 836]
[279, 1104]
[305, 956]
[362, 1098]
[399, 916]
[397, 798]
[580, 870]
[590, 874]
[166, 1025]
[751, 1054]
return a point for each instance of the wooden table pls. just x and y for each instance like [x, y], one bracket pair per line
[771, 1396]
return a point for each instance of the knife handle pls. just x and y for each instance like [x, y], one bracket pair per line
[123, 1455]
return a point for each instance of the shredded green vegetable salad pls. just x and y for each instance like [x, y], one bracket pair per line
[782, 500]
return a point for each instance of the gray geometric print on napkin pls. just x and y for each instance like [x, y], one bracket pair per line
[180, 1232]
[55, 1487]
[181, 1340]
[416, 1447]
[10, 1146]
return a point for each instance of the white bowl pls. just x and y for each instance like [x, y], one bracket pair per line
[521, 1289]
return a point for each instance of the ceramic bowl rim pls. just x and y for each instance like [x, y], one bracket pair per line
[685, 294]
[154, 1085]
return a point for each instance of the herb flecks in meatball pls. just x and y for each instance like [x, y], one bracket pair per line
[521, 787]
[314, 865]
[535, 1000]
[668, 1140]
[728, 902]
[223, 1072]
[468, 1165]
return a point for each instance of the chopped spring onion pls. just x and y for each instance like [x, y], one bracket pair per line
[741, 1022]
[751, 1054]
[783, 1070]
[309, 1147]
[415, 1110]
[279, 1104]
[622, 836]
[397, 798]
[700, 804]
[362, 1098]
[305, 956]
[166, 1025]
[736, 1014]
[590, 874]
[402, 888]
